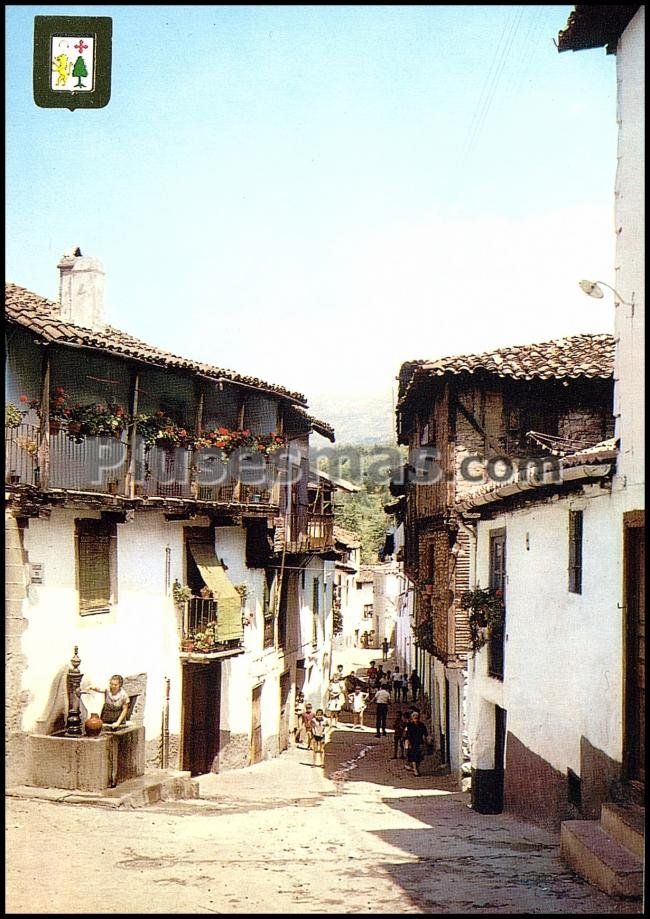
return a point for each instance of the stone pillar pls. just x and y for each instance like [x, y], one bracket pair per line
[15, 661]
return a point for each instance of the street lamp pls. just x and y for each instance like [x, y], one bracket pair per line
[592, 289]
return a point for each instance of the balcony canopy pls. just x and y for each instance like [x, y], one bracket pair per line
[229, 617]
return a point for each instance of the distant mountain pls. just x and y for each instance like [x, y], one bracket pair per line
[357, 419]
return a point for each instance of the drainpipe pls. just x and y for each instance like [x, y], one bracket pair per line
[164, 740]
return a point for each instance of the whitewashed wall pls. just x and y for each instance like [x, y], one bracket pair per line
[386, 595]
[563, 651]
[140, 633]
[630, 256]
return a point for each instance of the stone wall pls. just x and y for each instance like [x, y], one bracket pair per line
[16, 698]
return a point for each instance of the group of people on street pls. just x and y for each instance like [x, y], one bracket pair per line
[395, 682]
[409, 738]
[313, 727]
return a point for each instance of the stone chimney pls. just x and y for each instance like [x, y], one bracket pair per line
[81, 291]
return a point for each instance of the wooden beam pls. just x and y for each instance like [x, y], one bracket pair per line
[44, 445]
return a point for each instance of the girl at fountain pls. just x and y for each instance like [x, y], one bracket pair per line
[116, 701]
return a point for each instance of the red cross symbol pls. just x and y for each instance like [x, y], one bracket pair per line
[81, 47]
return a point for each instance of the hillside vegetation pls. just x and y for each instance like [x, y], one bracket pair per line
[368, 467]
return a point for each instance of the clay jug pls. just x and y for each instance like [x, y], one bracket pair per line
[93, 725]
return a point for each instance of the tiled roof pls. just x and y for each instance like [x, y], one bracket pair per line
[571, 358]
[351, 540]
[595, 25]
[593, 462]
[366, 575]
[42, 316]
[321, 427]
[603, 452]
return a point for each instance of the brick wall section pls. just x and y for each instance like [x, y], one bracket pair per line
[586, 424]
[487, 408]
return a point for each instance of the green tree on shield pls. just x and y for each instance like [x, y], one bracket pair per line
[80, 71]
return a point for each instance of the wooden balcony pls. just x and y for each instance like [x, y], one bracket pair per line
[310, 533]
[199, 632]
[100, 465]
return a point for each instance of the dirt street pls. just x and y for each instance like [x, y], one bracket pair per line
[284, 836]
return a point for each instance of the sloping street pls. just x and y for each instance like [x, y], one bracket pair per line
[284, 836]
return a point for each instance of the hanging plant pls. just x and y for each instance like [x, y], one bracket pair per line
[181, 593]
[486, 612]
[228, 441]
[94, 419]
[13, 416]
[91, 420]
[159, 430]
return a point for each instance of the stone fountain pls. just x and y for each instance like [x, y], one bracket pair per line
[73, 760]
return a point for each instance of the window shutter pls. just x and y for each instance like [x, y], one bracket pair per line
[94, 572]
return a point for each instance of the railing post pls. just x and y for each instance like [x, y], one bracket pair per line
[132, 441]
[44, 446]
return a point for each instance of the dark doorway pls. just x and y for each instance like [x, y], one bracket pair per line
[285, 692]
[487, 784]
[256, 726]
[446, 751]
[201, 704]
[634, 607]
[499, 756]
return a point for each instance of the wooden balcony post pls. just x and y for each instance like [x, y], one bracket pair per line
[198, 430]
[44, 440]
[131, 445]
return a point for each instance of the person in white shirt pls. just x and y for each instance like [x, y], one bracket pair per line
[358, 701]
[382, 699]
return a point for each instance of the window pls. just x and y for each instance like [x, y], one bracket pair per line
[497, 582]
[575, 552]
[367, 611]
[315, 610]
[96, 558]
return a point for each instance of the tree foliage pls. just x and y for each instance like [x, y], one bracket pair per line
[362, 513]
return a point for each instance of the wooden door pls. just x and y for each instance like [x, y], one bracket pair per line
[283, 728]
[201, 704]
[256, 726]
[499, 757]
[634, 606]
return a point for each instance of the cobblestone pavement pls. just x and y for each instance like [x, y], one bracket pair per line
[360, 835]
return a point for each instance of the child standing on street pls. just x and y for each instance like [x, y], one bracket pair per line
[307, 718]
[299, 711]
[319, 728]
[358, 703]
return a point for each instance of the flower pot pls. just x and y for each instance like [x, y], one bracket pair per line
[112, 488]
[187, 645]
[55, 426]
[93, 725]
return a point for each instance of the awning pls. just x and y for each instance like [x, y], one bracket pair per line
[229, 616]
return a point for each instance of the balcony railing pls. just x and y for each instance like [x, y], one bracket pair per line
[200, 628]
[99, 464]
[21, 460]
[311, 532]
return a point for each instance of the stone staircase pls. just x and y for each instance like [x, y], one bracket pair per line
[608, 853]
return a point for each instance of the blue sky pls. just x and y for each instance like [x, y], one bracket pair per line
[313, 195]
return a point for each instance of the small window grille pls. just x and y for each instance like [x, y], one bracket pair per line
[575, 552]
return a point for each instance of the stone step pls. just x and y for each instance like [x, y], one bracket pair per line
[600, 859]
[626, 823]
[158, 785]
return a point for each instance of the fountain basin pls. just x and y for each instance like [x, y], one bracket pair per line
[85, 763]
